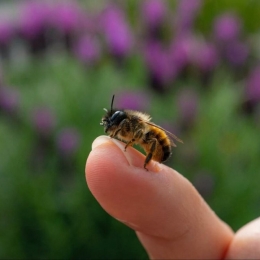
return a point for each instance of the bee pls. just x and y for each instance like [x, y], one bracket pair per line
[134, 127]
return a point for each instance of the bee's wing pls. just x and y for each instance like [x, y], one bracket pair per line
[170, 135]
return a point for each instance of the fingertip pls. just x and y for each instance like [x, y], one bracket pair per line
[131, 156]
[103, 161]
[109, 168]
[119, 182]
[100, 140]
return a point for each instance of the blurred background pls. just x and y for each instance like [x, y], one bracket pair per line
[192, 64]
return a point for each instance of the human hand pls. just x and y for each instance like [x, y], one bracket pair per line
[171, 219]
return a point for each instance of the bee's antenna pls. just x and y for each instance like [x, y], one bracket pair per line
[112, 102]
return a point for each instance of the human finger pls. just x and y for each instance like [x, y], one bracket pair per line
[170, 217]
[246, 242]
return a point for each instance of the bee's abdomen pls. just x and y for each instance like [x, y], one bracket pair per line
[164, 151]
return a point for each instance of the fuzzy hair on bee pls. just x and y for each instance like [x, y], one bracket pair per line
[134, 127]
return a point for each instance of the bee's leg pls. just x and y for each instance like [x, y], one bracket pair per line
[115, 133]
[150, 154]
[131, 142]
[137, 135]
[121, 126]
[112, 136]
[124, 128]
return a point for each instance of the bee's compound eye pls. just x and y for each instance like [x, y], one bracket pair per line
[117, 117]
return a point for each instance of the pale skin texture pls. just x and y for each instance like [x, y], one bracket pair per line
[169, 216]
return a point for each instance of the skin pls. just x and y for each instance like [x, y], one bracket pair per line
[170, 218]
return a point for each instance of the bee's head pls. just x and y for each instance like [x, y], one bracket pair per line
[112, 118]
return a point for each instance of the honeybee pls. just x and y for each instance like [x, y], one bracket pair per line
[134, 127]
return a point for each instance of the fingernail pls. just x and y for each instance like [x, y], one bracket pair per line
[100, 140]
[104, 139]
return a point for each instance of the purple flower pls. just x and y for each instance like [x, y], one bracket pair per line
[236, 53]
[185, 15]
[159, 62]
[43, 121]
[181, 51]
[188, 103]
[87, 49]
[227, 27]
[66, 17]
[116, 30]
[205, 57]
[253, 86]
[153, 12]
[132, 100]
[68, 141]
[9, 100]
[34, 19]
[6, 32]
